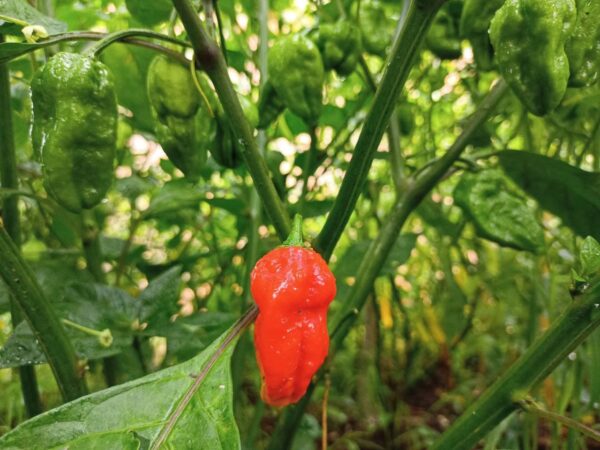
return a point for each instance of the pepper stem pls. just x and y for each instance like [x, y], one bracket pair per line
[295, 237]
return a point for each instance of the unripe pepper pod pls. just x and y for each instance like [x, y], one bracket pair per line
[292, 287]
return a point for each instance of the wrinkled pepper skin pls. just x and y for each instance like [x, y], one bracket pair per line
[442, 38]
[376, 28]
[583, 48]
[497, 213]
[529, 38]
[175, 102]
[296, 76]
[74, 129]
[340, 45]
[474, 25]
[292, 287]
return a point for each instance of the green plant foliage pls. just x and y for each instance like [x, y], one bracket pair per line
[590, 256]
[16, 14]
[140, 410]
[570, 193]
[351, 259]
[150, 14]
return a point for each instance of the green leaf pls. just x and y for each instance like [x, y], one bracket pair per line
[191, 334]
[17, 14]
[566, 191]
[159, 299]
[590, 256]
[112, 247]
[349, 263]
[498, 213]
[233, 205]
[94, 306]
[312, 208]
[134, 186]
[433, 214]
[150, 13]
[11, 50]
[174, 196]
[132, 415]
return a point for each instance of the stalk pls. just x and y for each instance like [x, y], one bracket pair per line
[405, 48]
[581, 317]
[415, 193]
[10, 216]
[46, 327]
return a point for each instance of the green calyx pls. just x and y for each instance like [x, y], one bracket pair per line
[295, 237]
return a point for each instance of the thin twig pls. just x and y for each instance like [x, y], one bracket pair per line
[235, 331]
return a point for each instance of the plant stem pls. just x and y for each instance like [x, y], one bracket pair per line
[90, 243]
[221, 33]
[400, 61]
[46, 327]
[10, 217]
[533, 407]
[24, 48]
[379, 250]
[111, 38]
[211, 60]
[417, 190]
[501, 399]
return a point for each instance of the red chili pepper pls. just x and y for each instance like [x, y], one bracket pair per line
[292, 287]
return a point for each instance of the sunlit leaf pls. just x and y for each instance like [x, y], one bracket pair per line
[570, 193]
[17, 13]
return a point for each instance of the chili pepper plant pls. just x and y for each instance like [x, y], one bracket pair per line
[299, 224]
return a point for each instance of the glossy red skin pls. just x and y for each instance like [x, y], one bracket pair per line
[293, 288]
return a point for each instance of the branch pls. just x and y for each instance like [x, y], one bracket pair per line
[10, 216]
[41, 318]
[503, 397]
[531, 406]
[11, 50]
[416, 192]
[400, 61]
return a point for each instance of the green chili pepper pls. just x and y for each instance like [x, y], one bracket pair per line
[175, 102]
[226, 150]
[498, 213]
[296, 76]
[75, 128]
[474, 24]
[376, 28]
[340, 45]
[529, 38]
[583, 48]
[442, 38]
